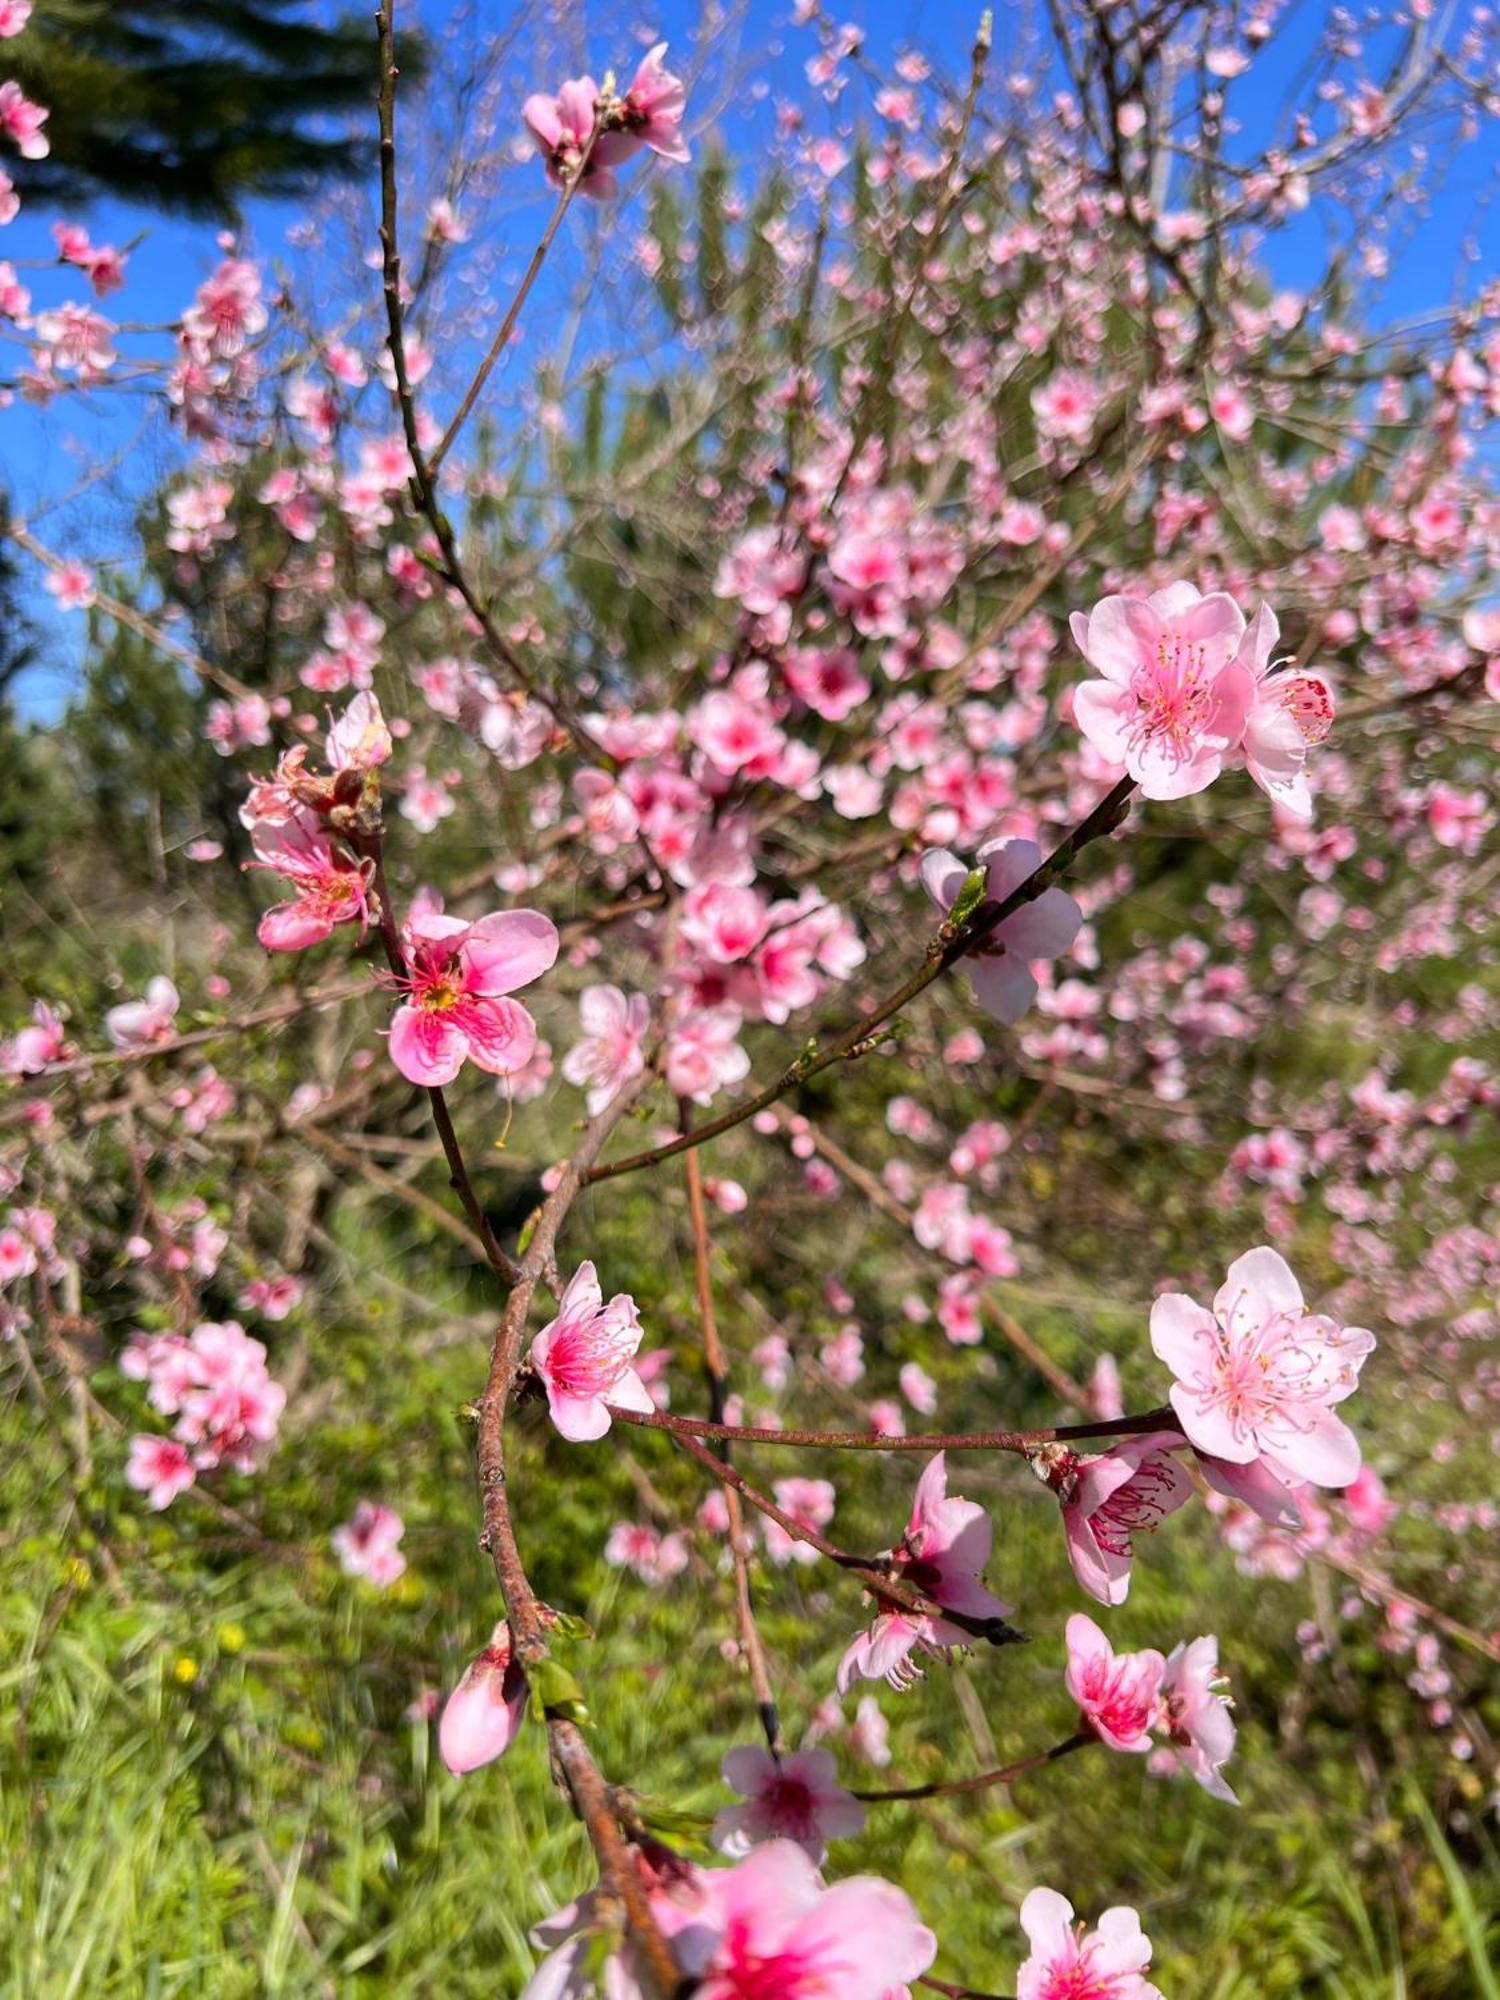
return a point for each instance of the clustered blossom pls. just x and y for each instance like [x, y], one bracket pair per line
[215, 1383]
[649, 114]
[1184, 682]
[1127, 1700]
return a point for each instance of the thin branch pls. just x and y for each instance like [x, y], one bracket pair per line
[951, 943]
[951, 1788]
[1019, 1443]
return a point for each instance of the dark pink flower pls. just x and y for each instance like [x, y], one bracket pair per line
[1116, 1693]
[1109, 1499]
[458, 977]
[585, 1358]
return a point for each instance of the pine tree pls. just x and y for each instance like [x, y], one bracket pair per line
[192, 105]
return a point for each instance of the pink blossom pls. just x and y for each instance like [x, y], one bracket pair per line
[14, 14]
[1110, 1498]
[21, 122]
[1116, 1692]
[1369, 1507]
[1259, 1375]
[1288, 715]
[792, 1797]
[776, 1933]
[810, 1503]
[703, 1054]
[228, 311]
[159, 1467]
[366, 1544]
[77, 340]
[1069, 1962]
[561, 126]
[1065, 406]
[72, 586]
[1174, 696]
[1043, 928]
[723, 922]
[942, 1554]
[458, 977]
[332, 887]
[482, 1715]
[216, 1384]
[1195, 1714]
[653, 1556]
[654, 105]
[610, 1053]
[139, 1024]
[584, 1358]
[33, 1047]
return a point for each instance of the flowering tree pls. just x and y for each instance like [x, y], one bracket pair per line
[990, 662]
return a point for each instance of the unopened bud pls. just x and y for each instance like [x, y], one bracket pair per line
[483, 1713]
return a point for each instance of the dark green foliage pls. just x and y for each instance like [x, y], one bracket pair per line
[193, 107]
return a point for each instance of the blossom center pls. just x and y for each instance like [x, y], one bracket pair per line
[1174, 700]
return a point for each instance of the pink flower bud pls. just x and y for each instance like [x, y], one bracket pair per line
[483, 1713]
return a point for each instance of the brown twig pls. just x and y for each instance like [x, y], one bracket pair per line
[949, 1788]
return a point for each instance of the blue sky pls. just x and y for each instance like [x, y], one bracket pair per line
[74, 470]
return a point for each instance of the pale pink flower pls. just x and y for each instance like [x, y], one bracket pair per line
[139, 1024]
[33, 1047]
[585, 1358]
[14, 14]
[21, 122]
[703, 1053]
[610, 1053]
[1069, 1962]
[1044, 928]
[1116, 1692]
[159, 1467]
[227, 312]
[654, 105]
[942, 1554]
[654, 1557]
[723, 921]
[77, 339]
[1257, 1378]
[792, 1797]
[486, 1709]
[1195, 1714]
[810, 1503]
[366, 1544]
[1173, 696]
[561, 126]
[72, 586]
[1065, 406]
[1110, 1498]
[458, 977]
[1289, 714]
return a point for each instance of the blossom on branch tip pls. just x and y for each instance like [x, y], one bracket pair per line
[942, 1554]
[485, 1710]
[457, 981]
[654, 105]
[1174, 692]
[585, 1358]
[1043, 928]
[1259, 1375]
